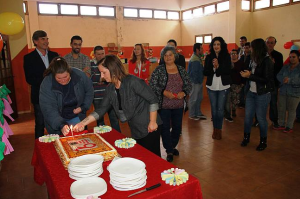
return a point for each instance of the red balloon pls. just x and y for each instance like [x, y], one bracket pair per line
[288, 45]
[1, 43]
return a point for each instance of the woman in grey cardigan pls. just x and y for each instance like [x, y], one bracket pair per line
[133, 101]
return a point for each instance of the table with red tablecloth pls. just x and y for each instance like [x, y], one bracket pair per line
[49, 169]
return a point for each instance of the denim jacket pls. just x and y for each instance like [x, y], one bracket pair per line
[292, 88]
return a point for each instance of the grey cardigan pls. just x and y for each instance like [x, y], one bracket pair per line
[137, 101]
[51, 99]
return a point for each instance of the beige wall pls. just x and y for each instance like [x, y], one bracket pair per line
[283, 23]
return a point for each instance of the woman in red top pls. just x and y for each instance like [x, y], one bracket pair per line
[138, 64]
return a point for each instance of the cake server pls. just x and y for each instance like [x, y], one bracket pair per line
[147, 189]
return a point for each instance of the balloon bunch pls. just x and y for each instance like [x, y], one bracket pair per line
[290, 45]
[11, 23]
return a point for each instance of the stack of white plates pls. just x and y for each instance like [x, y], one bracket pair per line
[83, 188]
[127, 174]
[85, 166]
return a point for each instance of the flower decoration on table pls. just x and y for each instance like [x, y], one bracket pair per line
[102, 129]
[49, 138]
[125, 143]
[175, 176]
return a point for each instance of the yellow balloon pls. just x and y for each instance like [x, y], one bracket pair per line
[11, 23]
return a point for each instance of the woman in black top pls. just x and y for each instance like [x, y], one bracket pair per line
[133, 101]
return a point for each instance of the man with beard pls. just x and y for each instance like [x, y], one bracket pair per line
[35, 63]
[76, 59]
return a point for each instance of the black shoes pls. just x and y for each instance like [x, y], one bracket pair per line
[229, 119]
[233, 113]
[262, 144]
[170, 157]
[246, 139]
[255, 124]
[175, 152]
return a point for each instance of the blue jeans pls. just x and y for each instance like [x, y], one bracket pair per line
[257, 104]
[114, 121]
[217, 103]
[39, 121]
[273, 112]
[170, 117]
[196, 97]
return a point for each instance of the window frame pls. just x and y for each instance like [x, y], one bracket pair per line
[216, 8]
[152, 9]
[251, 6]
[203, 35]
[291, 2]
[26, 7]
[78, 6]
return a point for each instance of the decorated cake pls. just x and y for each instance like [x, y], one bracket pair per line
[102, 129]
[72, 147]
[125, 143]
[175, 176]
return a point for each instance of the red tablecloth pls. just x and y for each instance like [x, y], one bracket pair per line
[49, 169]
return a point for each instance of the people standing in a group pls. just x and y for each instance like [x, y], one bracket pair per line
[233, 97]
[171, 84]
[180, 59]
[100, 85]
[277, 59]
[243, 41]
[139, 65]
[195, 71]
[35, 64]
[260, 84]
[289, 93]
[76, 59]
[217, 69]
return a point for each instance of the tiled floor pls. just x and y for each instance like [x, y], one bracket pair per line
[224, 168]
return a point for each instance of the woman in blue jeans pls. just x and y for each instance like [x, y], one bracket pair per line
[217, 69]
[260, 83]
[170, 83]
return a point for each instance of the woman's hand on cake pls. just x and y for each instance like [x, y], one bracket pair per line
[78, 127]
[65, 130]
[152, 126]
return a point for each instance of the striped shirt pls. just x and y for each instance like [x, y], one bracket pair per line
[99, 87]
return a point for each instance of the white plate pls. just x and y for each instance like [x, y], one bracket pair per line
[85, 175]
[128, 177]
[89, 186]
[84, 169]
[126, 166]
[129, 183]
[129, 188]
[86, 160]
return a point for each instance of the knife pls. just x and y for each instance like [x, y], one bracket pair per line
[147, 189]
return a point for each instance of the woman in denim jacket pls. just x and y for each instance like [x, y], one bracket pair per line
[289, 92]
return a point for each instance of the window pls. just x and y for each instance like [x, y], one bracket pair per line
[47, 8]
[88, 10]
[198, 12]
[203, 39]
[145, 13]
[173, 15]
[261, 4]
[187, 14]
[209, 9]
[246, 5]
[207, 39]
[107, 11]
[279, 2]
[223, 6]
[295, 0]
[159, 14]
[69, 9]
[25, 8]
[199, 39]
[130, 12]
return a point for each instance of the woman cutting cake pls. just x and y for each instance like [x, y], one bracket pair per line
[133, 101]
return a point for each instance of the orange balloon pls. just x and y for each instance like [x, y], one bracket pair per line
[1, 43]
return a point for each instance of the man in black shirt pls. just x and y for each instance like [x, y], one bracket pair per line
[277, 58]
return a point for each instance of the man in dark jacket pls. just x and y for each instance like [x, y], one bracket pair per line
[35, 63]
[277, 59]
[180, 60]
